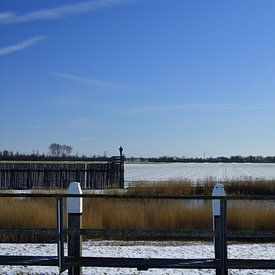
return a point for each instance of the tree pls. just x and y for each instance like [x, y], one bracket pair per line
[66, 150]
[55, 149]
[58, 150]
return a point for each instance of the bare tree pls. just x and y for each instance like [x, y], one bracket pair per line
[66, 150]
[69, 150]
[55, 149]
[58, 150]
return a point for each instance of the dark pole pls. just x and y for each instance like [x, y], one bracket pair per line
[120, 152]
[121, 172]
[60, 234]
[223, 243]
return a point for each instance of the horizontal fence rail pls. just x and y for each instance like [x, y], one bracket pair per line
[220, 263]
[176, 234]
[135, 197]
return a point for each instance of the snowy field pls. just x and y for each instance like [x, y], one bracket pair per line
[140, 250]
[198, 171]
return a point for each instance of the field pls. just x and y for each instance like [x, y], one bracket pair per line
[198, 171]
[156, 179]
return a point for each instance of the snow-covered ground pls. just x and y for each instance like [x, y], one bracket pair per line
[198, 171]
[139, 249]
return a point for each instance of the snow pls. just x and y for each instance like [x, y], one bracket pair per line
[146, 249]
[198, 171]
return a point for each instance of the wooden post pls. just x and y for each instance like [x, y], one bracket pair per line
[223, 209]
[121, 168]
[74, 209]
[60, 234]
[85, 175]
[219, 225]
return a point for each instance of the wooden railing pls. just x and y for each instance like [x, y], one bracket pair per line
[74, 262]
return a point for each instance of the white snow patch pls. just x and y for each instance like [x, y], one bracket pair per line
[198, 171]
[145, 249]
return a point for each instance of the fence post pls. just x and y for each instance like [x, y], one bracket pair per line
[219, 224]
[74, 209]
[85, 175]
[60, 234]
[121, 168]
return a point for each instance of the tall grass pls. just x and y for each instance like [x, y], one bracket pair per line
[151, 214]
[146, 214]
[242, 186]
[23, 213]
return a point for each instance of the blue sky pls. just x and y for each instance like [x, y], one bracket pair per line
[159, 77]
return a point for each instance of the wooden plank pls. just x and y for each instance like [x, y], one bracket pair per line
[251, 264]
[250, 234]
[38, 231]
[137, 262]
[114, 233]
[142, 263]
[143, 233]
[164, 234]
[106, 196]
[29, 260]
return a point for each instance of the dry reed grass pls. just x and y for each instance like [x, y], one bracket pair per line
[149, 214]
[146, 214]
[24, 213]
[124, 214]
[242, 186]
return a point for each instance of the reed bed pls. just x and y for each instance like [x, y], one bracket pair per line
[145, 214]
[151, 214]
[243, 186]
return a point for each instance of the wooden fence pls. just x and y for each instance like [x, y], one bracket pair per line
[23, 175]
[220, 234]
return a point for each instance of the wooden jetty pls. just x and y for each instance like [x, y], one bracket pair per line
[57, 175]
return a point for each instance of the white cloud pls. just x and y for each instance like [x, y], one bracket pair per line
[76, 124]
[59, 12]
[22, 45]
[162, 108]
[198, 107]
[96, 82]
[5, 16]
[81, 123]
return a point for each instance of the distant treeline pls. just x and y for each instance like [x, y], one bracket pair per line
[240, 159]
[36, 156]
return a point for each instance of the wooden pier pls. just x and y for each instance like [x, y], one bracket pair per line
[58, 175]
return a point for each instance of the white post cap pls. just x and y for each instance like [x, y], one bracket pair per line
[74, 205]
[218, 190]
